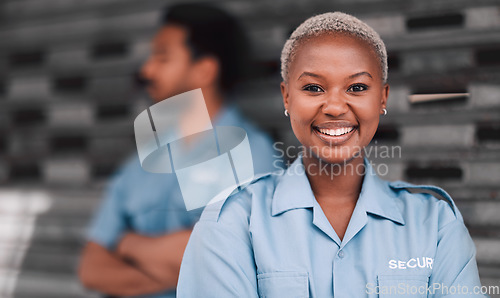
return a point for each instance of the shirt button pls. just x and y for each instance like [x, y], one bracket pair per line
[341, 254]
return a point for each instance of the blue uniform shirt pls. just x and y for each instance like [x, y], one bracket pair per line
[152, 204]
[273, 240]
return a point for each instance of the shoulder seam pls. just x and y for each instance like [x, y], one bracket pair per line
[228, 230]
[213, 214]
[456, 221]
[432, 190]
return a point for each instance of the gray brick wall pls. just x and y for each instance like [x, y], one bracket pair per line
[67, 104]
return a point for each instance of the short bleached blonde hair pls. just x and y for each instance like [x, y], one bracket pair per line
[333, 22]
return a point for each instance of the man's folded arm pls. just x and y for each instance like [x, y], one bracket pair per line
[159, 257]
[105, 272]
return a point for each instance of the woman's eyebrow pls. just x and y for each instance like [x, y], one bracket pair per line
[306, 73]
[360, 74]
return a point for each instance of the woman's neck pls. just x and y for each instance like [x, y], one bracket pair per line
[335, 183]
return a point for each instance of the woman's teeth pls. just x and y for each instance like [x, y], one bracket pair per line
[336, 132]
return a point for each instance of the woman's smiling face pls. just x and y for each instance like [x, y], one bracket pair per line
[334, 94]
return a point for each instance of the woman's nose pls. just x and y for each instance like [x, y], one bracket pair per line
[335, 105]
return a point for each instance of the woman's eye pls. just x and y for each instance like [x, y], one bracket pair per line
[313, 88]
[358, 88]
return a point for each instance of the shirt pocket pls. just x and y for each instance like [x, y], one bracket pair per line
[402, 285]
[283, 284]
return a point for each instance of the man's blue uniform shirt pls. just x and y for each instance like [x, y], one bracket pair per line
[152, 204]
[273, 240]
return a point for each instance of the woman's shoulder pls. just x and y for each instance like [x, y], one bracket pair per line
[424, 201]
[240, 205]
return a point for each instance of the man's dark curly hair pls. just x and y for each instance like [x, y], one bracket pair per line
[213, 32]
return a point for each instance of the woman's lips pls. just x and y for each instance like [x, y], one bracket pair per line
[335, 136]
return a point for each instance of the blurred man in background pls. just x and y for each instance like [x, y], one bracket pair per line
[138, 236]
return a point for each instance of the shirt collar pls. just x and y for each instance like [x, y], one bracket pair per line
[378, 198]
[228, 115]
[294, 191]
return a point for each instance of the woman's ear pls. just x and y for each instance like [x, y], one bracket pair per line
[385, 95]
[284, 94]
